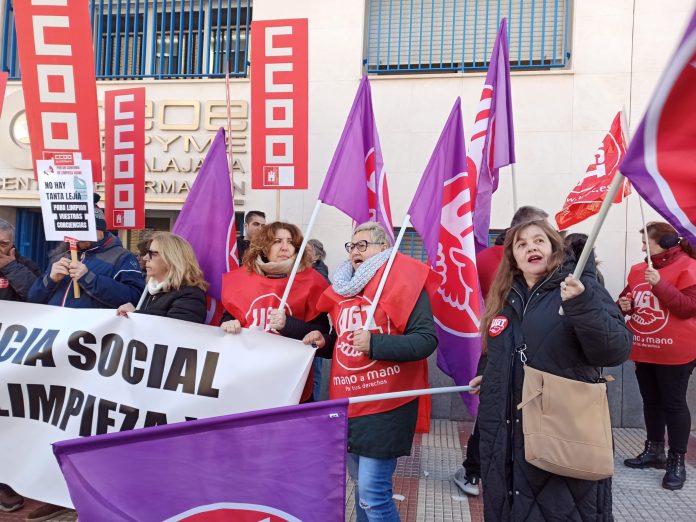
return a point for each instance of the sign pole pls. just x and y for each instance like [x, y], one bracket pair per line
[73, 257]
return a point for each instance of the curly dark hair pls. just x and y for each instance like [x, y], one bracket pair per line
[264, 238]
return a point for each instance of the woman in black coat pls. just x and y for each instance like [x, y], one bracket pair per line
[175, 285]
[522, 322]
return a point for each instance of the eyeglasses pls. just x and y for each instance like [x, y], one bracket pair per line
[151, 253]
[360, 245]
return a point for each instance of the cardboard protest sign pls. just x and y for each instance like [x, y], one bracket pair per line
[65, 190]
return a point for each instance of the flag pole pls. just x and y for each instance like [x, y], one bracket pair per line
[298, 259]
[513, 177]
[383, 281]
[616, 183]
[410, 393]
[624, 128]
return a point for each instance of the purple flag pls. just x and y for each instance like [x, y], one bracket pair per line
[207, 217]
[356, 182]
[284, 464]
[660, 160]
[492, 142]
[441, 213]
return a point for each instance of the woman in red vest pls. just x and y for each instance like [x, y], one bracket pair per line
[389, 357]
[661, 305]
[251, 294]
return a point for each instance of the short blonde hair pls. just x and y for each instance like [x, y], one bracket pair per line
[377, 232]
[181, 261]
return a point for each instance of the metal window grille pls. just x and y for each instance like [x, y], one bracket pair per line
[406, 36]
[412, 244]
[160, 39]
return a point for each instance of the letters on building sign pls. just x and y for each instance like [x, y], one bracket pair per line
[279, 96]
[54, 42]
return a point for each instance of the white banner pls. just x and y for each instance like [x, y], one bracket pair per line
[66, 373]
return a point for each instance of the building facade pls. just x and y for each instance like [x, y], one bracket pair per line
[574, 65]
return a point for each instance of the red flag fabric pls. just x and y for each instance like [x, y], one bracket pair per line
[587, 196]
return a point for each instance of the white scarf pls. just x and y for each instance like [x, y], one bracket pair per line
[348, 282]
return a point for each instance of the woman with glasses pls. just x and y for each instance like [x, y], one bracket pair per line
[388, 357]
[175, 286]
[251, 294]
[660, 301]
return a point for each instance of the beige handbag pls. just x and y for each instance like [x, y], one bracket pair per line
[566, 425]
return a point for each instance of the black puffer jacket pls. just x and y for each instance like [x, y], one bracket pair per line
[589, 336]
[187, 304]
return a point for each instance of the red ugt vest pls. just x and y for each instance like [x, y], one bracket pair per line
[660, 337]
[353, 373]
[249, 297]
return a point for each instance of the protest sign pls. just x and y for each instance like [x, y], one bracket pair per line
[67, 373]
[65, 190]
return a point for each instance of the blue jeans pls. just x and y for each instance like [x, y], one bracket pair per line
[373, 488]
[317, 366]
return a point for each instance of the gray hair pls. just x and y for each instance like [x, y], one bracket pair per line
[527, 213]
[6, 226]
[377, 232]
[318, 248]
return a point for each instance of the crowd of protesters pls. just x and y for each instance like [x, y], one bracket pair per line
[525, 278]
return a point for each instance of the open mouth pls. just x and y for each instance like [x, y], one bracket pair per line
[534, 258]
[357, 261]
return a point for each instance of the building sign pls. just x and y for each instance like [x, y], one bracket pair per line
[124, 141]
[65, 190]
[279, 91]
[54, 41]
[178, 135]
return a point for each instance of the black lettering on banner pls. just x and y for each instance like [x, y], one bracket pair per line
[49, 404]
[153, 418]
[130, 417]
[19, 356]
[159, 356]
[136, 351]
[16, 399]
[87, 417]
[73, 407]
[13, 333]
[4, 413]
[103, 420]
[205, 387]
[43, 350]
[110, 357]
[89, 357]
[182, 371]
[191, 418]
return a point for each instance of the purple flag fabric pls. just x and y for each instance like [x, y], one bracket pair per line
[441, 212]
[492, 142]
[207, 217]
[660, 160]
[284, 464]
[356, 182]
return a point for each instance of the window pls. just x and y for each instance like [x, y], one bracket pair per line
[160, 39]
[457, 35]
[412, 244]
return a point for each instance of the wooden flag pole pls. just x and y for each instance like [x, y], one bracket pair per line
[73, 257]
[383, 281]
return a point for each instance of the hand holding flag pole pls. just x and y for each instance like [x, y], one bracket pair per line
[73, 257]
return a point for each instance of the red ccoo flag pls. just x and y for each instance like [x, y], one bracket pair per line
[587, 196]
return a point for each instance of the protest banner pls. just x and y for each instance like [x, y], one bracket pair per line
[65, 191]
[124, 154]
[279, 96]
[67, 373]
[54, 42]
